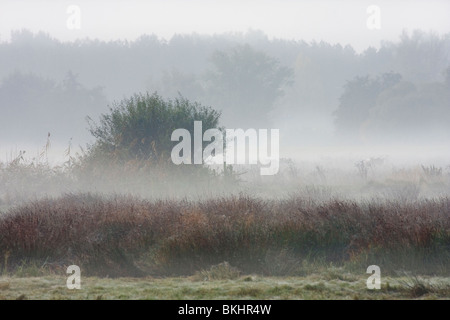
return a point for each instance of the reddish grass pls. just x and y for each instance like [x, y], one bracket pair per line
[119, 236]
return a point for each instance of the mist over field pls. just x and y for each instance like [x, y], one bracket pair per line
[106, 137]
[333, 106]
[341, 80]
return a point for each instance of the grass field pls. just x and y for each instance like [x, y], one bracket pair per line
[335, 284]
[311, 243]
[124, 236]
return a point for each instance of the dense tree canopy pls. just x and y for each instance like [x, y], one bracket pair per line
[31, 106]
[359, 97]
[245, 76]
[246, 83]
[387, 107]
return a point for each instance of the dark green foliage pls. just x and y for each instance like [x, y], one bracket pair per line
[140, 127]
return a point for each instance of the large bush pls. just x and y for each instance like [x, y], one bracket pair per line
[132, 150]
[140, 127]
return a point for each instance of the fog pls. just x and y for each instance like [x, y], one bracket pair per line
[343, 82]
[331, 21]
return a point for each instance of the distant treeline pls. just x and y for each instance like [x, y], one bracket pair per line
[49, 85]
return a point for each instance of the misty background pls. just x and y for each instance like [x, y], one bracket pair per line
[328, 82]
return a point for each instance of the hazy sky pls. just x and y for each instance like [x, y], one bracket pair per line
[332, 21]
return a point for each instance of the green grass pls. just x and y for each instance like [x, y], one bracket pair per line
[315, 286]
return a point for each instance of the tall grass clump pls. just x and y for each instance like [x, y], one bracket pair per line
[22, 179]
[123, 235]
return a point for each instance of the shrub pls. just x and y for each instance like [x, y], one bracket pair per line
[140, 127]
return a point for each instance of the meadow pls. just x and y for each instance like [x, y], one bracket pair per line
[313, 240]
